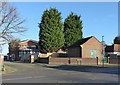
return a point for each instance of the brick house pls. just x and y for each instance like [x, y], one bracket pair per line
[113, 51]
[114, 48]
[25, 47]
[88, 47]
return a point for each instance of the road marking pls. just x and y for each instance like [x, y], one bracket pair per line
[22, 78]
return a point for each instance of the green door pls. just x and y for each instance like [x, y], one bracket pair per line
[93, 53]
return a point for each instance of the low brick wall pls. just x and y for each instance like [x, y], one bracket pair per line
[58, 60]
[72, 60]
[114, 61]
[89, 61]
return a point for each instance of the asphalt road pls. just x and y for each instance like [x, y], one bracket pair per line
[40, 73]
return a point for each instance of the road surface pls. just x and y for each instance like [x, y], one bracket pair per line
[40, 73]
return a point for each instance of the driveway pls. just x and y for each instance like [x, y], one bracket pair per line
[42, 73]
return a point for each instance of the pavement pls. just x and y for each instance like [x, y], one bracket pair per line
[44, 73]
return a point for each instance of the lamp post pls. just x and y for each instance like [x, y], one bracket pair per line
[103, 52]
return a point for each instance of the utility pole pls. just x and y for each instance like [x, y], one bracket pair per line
[1, 59]
[103, 51]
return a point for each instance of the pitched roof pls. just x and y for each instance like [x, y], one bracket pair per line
[80, 42]
[29, 40]
[109, 48]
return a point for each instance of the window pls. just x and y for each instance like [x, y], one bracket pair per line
[93, 54]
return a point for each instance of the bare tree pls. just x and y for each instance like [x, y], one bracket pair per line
[10, 22]
[14, 47]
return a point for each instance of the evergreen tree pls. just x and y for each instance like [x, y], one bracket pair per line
[72, 29]
[51, 36]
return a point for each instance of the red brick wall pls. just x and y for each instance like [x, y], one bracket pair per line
[89, 61]
[58, 60]
[72, 61]
[116, 47]
[114, 61]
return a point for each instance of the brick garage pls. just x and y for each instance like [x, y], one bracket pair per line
[86, 48]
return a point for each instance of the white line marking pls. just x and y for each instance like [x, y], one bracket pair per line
[22, 78]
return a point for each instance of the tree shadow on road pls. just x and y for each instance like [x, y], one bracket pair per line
[85, 68]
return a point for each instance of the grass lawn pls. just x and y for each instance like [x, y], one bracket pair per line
[8, 69]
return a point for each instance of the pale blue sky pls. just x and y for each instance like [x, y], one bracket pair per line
[99, 18]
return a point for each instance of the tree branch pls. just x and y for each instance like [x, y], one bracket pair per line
[10, 22]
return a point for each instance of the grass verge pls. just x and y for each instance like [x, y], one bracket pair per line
[8, 69]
